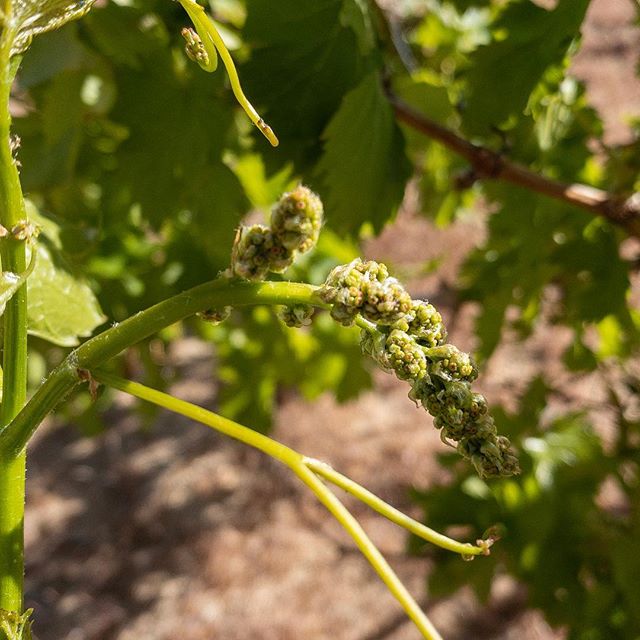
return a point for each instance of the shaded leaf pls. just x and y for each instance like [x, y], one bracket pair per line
[355, 14]
[304, 60]
[364, 167]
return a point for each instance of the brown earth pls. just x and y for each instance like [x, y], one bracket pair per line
[177, 532]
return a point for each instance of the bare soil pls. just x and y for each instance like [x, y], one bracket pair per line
[175, 532]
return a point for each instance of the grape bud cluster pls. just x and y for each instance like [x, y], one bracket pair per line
[295, 226]
[365, 288]
[408, 337]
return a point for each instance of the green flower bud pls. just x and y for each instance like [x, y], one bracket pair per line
[490, 458]
[15, 626]
[194, 47]
[251, 254]
[297, 218]
[449, 363]
[298, 315]
[424, 323]
[404, 356]
[385, 302]
[280, 258]
[256, 252]
[366, 288]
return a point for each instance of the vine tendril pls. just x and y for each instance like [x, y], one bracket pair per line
[204, 46]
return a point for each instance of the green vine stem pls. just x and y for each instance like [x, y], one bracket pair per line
[300, 465]
[14, 360]
[215, 294]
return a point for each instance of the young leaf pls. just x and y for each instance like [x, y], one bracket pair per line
[32, 17]
[364, 166]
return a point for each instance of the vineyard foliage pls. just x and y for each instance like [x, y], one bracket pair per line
[139, 167]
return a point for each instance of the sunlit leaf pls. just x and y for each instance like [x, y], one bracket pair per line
[10, 283]
[32, 17]
[62, 308]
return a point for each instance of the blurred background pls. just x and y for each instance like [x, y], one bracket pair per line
[140, 525]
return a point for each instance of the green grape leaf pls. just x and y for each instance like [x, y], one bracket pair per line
[355, 14]
[11, 282]
[261, 189]
[32, 17]
[115, 31]
[306, 54]
[364, 167]
[527, 40]
[61, 308]
[173, 141]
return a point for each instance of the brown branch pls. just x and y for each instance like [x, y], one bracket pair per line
[622, 211]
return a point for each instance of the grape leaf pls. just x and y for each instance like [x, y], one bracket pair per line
[11, 282]
[527, 40]
[32, 17]
[355, 14]
[364, 167]
[61, 306]
[304, 60]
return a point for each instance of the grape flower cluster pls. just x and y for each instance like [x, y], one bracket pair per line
[295, 226]
[408, 337]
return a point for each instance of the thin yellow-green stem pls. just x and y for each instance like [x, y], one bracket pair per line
[391, 513]
[221, 424]
[298, 464]
[215, 294]
[14, 354]
[209, 34]
[370, 552]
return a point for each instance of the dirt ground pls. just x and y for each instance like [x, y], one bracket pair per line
[178, 533]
